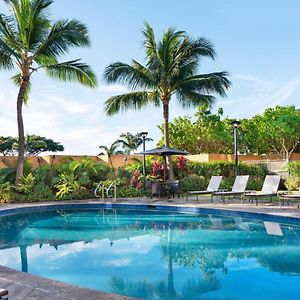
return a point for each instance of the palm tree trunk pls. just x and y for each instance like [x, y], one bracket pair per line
[166, 138]
[21, 143]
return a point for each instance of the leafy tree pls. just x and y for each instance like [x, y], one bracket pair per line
[276, 131]
[37, 144]
[29, 42]
[130, 142]
[207, 134]
[170, 70]
[34, 145]
[8, 145]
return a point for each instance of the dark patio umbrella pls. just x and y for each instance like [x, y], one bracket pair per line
[164, 151]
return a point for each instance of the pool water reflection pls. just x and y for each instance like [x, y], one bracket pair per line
[156, 255]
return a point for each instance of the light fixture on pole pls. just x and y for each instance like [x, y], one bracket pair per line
[235, 124]
[144, 135]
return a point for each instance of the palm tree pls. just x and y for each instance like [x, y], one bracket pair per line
[112, 150]
[29, 42]
[130, 142]
[170, 70]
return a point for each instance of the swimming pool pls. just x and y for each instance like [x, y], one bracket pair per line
[154, 254]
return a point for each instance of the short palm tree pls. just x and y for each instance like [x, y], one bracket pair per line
[112, 150]
[29, 42]
[170, 70]
[130, 142]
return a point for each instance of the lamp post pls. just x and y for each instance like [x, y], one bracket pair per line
[144, 135]
[235, 124]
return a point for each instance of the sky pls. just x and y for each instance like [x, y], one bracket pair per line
[256, 41]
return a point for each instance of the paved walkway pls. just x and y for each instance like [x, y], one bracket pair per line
[24, 286]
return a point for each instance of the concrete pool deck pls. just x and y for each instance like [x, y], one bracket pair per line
[26, 286]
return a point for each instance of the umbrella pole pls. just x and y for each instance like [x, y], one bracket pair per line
[165, 168]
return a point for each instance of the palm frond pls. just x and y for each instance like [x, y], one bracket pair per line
[16, 79]
[167, 46]
[134, 100]
[6, 61]
[206, 83]
[31, 20]
[9, 37]
[72, 71]
[149, 42]
[64, 34]
[135, 75]
[188, 98]
[37, 22]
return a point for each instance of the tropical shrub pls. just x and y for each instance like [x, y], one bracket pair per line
[6, 192]
[40, 192]
[293, 181]
[26, 183]
[67, 185]
[193, 183]
[130, 192]
[225, 169]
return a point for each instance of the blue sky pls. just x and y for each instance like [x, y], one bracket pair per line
[256, 41]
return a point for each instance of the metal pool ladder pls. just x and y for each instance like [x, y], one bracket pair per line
[102, 191]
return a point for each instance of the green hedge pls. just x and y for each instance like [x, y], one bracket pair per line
[225, 169]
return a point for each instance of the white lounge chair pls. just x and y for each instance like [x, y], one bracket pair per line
[212, 187]
[269, 189]
[238, 189]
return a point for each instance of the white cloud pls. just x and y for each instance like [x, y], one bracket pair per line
[71, 106]
[250, 95]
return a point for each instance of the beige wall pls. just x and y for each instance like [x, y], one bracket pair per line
[121, 160]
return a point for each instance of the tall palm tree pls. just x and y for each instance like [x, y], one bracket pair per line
[29, 42]
[170, 70]
[130, 142]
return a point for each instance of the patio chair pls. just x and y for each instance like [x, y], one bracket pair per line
[212, 187]
[238, 189]
[175, 188]
[269, 189]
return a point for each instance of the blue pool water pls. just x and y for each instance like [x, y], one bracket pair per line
[156, 255]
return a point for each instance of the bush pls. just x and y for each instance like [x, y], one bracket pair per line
[193, 183]
[40, 192]
[293, 181]
[130, 192]
[26, 183]
[225, 169]
[6, 192]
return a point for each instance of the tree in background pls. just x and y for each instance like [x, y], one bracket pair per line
[112, 150]
[276, 131]
[8, 145]
[34, 145]
[170, 70]
[29, 42]
[130, 142]
[208, 133]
